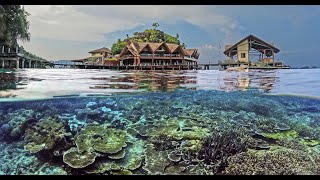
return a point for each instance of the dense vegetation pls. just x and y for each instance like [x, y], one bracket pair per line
[14, 26]
[29, 54]
[148, 35]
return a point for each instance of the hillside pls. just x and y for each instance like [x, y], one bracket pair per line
[148, 35]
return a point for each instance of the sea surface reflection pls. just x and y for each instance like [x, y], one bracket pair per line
[48, 83]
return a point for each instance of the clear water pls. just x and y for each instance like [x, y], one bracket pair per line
[73, 121]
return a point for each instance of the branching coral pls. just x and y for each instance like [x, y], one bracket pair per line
[278, 161]
[216, 148]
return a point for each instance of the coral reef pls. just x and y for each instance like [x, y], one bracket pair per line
[178, 129]
[156, 161]
[47, 134]
[16, 161]
[180, 132]
[131, 161]
[100, 139]
[276, 161]
[17, 120]
[76, 159]
[281, 135]
[74, 125]
[217, 148]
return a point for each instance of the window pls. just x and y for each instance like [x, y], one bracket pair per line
[243, 55]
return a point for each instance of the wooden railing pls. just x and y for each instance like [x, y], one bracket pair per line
[10, 50]
[154, 55]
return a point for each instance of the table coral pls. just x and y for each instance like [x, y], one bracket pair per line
[44, 135]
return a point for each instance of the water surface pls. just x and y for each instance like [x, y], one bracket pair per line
[48, 83]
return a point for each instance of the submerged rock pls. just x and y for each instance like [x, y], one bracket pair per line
[5, 129]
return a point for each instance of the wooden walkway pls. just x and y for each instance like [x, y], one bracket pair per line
[123, 67]
[14, 59]
[250, 64]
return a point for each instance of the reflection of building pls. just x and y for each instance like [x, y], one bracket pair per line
[152, 54]
[243, 83]
[267, 83]
[150, 81]
[7, 81]
[245, 51]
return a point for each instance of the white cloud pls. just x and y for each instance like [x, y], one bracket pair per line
[89, 24]
[209, 53]
[68, 23]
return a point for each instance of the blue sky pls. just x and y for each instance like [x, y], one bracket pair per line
[70, 32]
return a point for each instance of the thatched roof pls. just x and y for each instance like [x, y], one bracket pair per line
[172, 47]
[101, 50]
[262, 44]
[136, 47]
[154, 46]
[190, 52]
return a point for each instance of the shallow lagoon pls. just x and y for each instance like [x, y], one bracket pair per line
[66, 121]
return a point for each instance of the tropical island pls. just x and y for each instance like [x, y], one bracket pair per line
[150, 49]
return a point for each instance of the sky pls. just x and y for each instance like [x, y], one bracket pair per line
[63, 32]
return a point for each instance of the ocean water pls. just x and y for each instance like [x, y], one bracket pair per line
[207, 122]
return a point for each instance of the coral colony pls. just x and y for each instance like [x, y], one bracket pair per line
[181, 132]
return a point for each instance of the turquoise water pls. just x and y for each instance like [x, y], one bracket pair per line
[71, 121]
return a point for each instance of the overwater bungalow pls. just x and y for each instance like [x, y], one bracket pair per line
[99, 59]
[253, 52]
[100, 54]
[155, 55]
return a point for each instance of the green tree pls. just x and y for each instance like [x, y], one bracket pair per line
[155, 25]
[118, 46]
[14, 25]
[148, 35]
